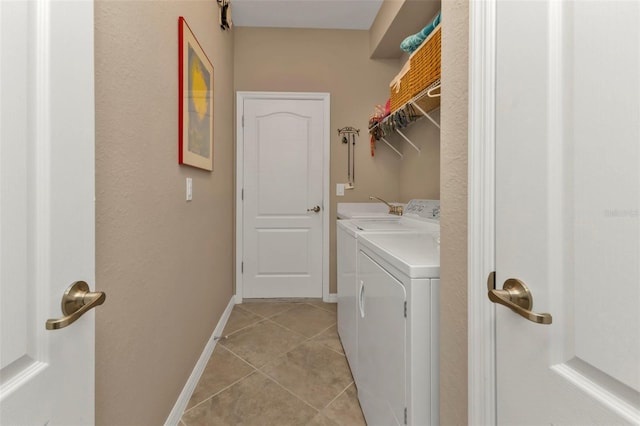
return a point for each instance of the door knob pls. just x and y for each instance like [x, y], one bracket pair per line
[76, 301]
[314, 209]
[516, 296]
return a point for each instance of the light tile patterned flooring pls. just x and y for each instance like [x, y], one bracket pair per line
[282, 364]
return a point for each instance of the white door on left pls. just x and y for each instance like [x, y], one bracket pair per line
[46, 209]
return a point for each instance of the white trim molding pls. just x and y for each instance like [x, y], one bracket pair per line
[240, 98]
[178, 409]
[481, 255]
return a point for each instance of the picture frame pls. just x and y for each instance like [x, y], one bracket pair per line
[195, 101]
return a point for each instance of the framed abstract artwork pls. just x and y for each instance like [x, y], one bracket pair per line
[195, 101]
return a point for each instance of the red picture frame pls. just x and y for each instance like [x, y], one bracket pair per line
[195, 101]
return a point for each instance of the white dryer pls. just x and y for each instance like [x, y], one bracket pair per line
[421, 216]
[397, 328]
[397, 276]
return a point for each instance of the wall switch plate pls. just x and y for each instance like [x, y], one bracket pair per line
[189, 189]
[340, 189]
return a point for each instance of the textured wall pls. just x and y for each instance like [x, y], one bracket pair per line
[420, 172]
[165, 264]
[453, 175]
[334, 61]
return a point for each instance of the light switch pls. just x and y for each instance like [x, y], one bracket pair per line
[189, 189]
[340, 189]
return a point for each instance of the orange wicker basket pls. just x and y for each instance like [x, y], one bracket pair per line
[400, 88]
[425, 63]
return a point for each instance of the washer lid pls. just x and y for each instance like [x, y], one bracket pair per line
[415, 254]
[390, 224]
[348, 226]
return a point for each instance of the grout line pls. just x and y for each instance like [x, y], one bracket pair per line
[275, 357]
[297, 332]
[220, 391]
[286, 328]
[288, 390]
[323, 308]
[280, 354]
[240, 358]
[239, 306]
[282, 300]
[318, 307]
[243, 328]
[331, 349]
[273, 314]
[326, 329]
[327, 346]
[339, 394]
[249, 311]
[228, 386]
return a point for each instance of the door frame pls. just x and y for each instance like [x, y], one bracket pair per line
[326, 139]
[482, 396]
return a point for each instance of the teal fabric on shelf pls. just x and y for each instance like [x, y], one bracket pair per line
[411, 43]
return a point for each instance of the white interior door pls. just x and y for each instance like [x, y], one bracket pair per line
[46, 209]
[283, 197]
[567, 210]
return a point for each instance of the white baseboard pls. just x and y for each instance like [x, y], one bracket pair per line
[331, 298]
[238, 298]
[189, 387]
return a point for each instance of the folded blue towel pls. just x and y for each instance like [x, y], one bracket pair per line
[411, 43]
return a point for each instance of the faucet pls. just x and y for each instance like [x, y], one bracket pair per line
[397, 210]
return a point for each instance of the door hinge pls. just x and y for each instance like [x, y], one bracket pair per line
[405, 415]
[405, 309]
[243, 121]
[242, 194]
[242, 267]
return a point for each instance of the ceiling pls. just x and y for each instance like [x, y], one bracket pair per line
[329, 14]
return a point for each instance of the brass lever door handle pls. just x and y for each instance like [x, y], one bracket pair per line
[314, 209]
[76, 301]
[516, 296]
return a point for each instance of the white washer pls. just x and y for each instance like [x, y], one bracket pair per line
[348, 232]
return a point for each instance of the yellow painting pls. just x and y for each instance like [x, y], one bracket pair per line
[196, 102]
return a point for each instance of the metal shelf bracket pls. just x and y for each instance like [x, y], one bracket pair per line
[392, 147]
[430, 92]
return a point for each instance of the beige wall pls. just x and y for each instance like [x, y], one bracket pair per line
[165, 264]
[395, 20]
[420, 173]
[337, 61]
[453, 175]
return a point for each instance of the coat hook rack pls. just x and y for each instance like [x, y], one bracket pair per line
[349, 137]
[348, 129]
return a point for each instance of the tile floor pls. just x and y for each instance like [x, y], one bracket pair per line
[281, 364]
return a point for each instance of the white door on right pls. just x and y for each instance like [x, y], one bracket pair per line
[568, 210]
